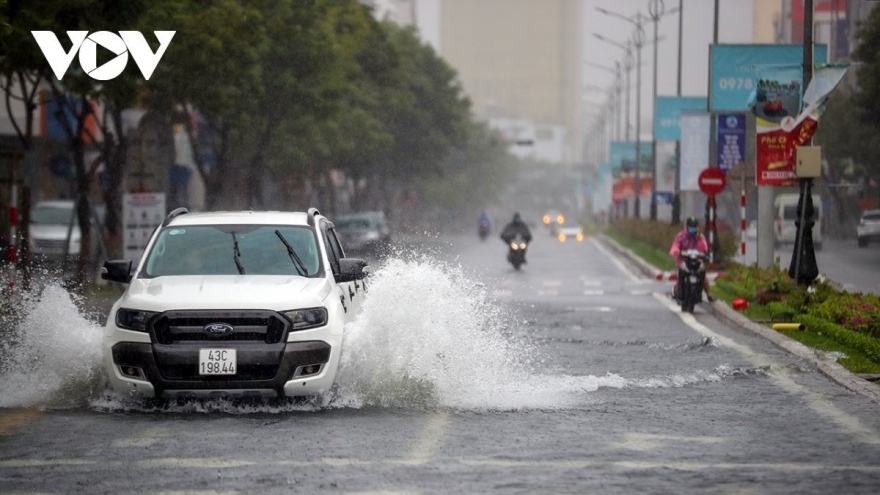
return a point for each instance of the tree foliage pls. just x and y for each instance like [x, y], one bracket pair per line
[286, 92]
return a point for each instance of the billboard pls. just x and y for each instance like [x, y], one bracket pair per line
[733, 73]
[668, 113]
[695, 136]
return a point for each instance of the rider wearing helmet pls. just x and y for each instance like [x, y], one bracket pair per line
[516, 228]
[689, 238]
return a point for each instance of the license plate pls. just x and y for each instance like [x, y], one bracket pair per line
[693, 279]
[217, 361]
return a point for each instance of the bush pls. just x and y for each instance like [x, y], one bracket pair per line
[856, 312]
[863, 343]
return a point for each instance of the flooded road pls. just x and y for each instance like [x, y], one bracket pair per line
[460, 375]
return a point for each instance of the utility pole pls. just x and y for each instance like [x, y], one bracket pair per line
[803, 268]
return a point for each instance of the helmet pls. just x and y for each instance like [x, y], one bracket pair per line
[517, 218]
[691, 222]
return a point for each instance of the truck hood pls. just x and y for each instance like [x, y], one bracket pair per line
[271, 292]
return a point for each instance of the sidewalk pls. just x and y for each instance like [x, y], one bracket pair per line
[728, 315]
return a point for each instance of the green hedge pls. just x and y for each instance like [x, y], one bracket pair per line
[863, 343]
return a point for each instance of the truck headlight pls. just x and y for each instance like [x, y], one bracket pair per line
[133, 319]
[307, 318]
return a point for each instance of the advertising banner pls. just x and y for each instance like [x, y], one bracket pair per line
[141, 214]
[668, 113]
[779, 134]
[731, 139]
[623, 157]
[695, 137]
[733, 75]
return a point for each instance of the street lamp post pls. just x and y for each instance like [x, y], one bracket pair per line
[638, 40]
[655, 9]
[628, 64]
[676, 200]
[615, 91]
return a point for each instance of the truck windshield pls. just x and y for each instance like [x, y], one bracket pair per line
[208, 250]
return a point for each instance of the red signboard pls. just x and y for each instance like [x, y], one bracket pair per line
[712, 181]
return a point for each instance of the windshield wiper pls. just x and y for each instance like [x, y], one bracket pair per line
[237, 254]
[297, 263]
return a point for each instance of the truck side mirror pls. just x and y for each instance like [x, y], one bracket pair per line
[117, 271]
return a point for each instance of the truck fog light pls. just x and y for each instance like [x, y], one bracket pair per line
[307, 370]
[132, 371]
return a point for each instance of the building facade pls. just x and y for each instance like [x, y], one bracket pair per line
[518, 59]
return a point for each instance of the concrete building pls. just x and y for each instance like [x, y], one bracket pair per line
[518, 59]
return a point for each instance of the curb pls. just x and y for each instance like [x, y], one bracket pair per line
[728, 315]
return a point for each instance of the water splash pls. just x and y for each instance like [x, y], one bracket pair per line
[428, 336]
[51, 356]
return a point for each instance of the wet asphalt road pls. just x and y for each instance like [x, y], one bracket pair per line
[655, 402]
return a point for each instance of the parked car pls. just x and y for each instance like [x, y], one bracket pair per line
[51, 222]
[786, 213]
[365, 233]
[869, 227]
[239, 304]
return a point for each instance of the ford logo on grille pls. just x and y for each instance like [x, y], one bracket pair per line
[218, 329]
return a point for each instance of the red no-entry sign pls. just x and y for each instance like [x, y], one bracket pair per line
[712, 181]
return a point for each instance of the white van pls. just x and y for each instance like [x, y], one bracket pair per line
[785, 206]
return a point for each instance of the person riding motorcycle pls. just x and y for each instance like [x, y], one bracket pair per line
[516, 228]
[689, 238]
[484, 225]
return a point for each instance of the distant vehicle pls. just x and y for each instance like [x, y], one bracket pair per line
[553, 219]
[364, 233]
[50, 223]
[786, 213]
[573, 233]
[237, 304]
[869, 227]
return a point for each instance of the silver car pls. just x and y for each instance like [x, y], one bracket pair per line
[869, 227]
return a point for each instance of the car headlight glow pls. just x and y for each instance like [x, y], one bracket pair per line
[133, 319]
[561, 237]
[307, 318]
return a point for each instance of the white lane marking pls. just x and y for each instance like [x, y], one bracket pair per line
[640, 292]
[615, 260]
[644, 442]
[847, 422]
[602, 309]
[431, 438]
[594, 292]
[198, 492]
[212, 463]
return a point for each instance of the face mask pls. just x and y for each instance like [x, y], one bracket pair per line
[692, 230]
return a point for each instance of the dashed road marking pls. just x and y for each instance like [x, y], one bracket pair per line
[847, 422]
[644, 442]
[431, 438]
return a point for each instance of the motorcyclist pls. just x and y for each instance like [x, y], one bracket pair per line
[484, 222]
[689, 238]
[516, 228]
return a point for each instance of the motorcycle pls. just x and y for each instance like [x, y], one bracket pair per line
[692, 272]
[483, 230]
[516, 253]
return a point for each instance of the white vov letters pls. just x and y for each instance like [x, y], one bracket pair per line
[86, 44]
